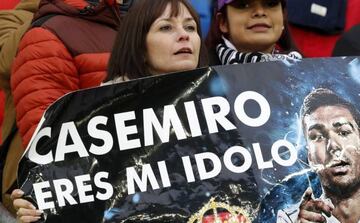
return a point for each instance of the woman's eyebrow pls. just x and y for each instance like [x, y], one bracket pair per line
[189, 19]
[168, 19]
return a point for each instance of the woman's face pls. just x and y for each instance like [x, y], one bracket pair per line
[253, 25]
[173, 43]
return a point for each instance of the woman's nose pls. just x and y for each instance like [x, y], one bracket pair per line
[258, 9]
[183, 35]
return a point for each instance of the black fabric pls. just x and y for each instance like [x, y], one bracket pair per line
[4, 148]
[260, 190]
[349, 43]
[326, 16]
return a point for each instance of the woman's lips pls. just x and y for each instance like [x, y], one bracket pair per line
[259, 27]
[184, 50]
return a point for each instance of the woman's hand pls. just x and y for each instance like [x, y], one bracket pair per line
[26, 211]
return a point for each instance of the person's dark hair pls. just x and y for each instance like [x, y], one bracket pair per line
[324, 97]
[128, 54]
[286, 42]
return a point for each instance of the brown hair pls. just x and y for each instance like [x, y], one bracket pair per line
[285, 42]
[128, 55]
[321, 97]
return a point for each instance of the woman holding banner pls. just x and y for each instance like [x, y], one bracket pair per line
[249, 31]
[165, 39]
[153, 39]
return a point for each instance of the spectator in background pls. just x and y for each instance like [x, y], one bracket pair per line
[4, 5]
[153, 39]
[349, 43]
[311, 42]
[67, 49]
[248, 31]
[13, 25]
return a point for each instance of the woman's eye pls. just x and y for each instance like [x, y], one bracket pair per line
[190, 28]
[240, 4]
[273, 3]
[243, 6]
[165, 28]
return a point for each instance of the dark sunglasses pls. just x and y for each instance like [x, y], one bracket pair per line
[242, 4]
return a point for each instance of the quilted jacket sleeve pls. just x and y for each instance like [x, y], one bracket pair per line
[42, 72]
[13, 24]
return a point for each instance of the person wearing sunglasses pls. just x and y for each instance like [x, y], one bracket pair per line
[249, 31]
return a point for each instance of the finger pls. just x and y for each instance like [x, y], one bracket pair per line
[318, 206]
[27, 219]
[307, 195]
[22, 203]
[304, 221]
[17, 193]
[329, 202]
[311, 216]
[323, 207]
[28, 212]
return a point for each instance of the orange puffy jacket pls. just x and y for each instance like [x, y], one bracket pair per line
[69, 51]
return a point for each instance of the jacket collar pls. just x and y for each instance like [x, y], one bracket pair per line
[101, 13]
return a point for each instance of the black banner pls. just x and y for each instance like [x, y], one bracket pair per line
[218, 144]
